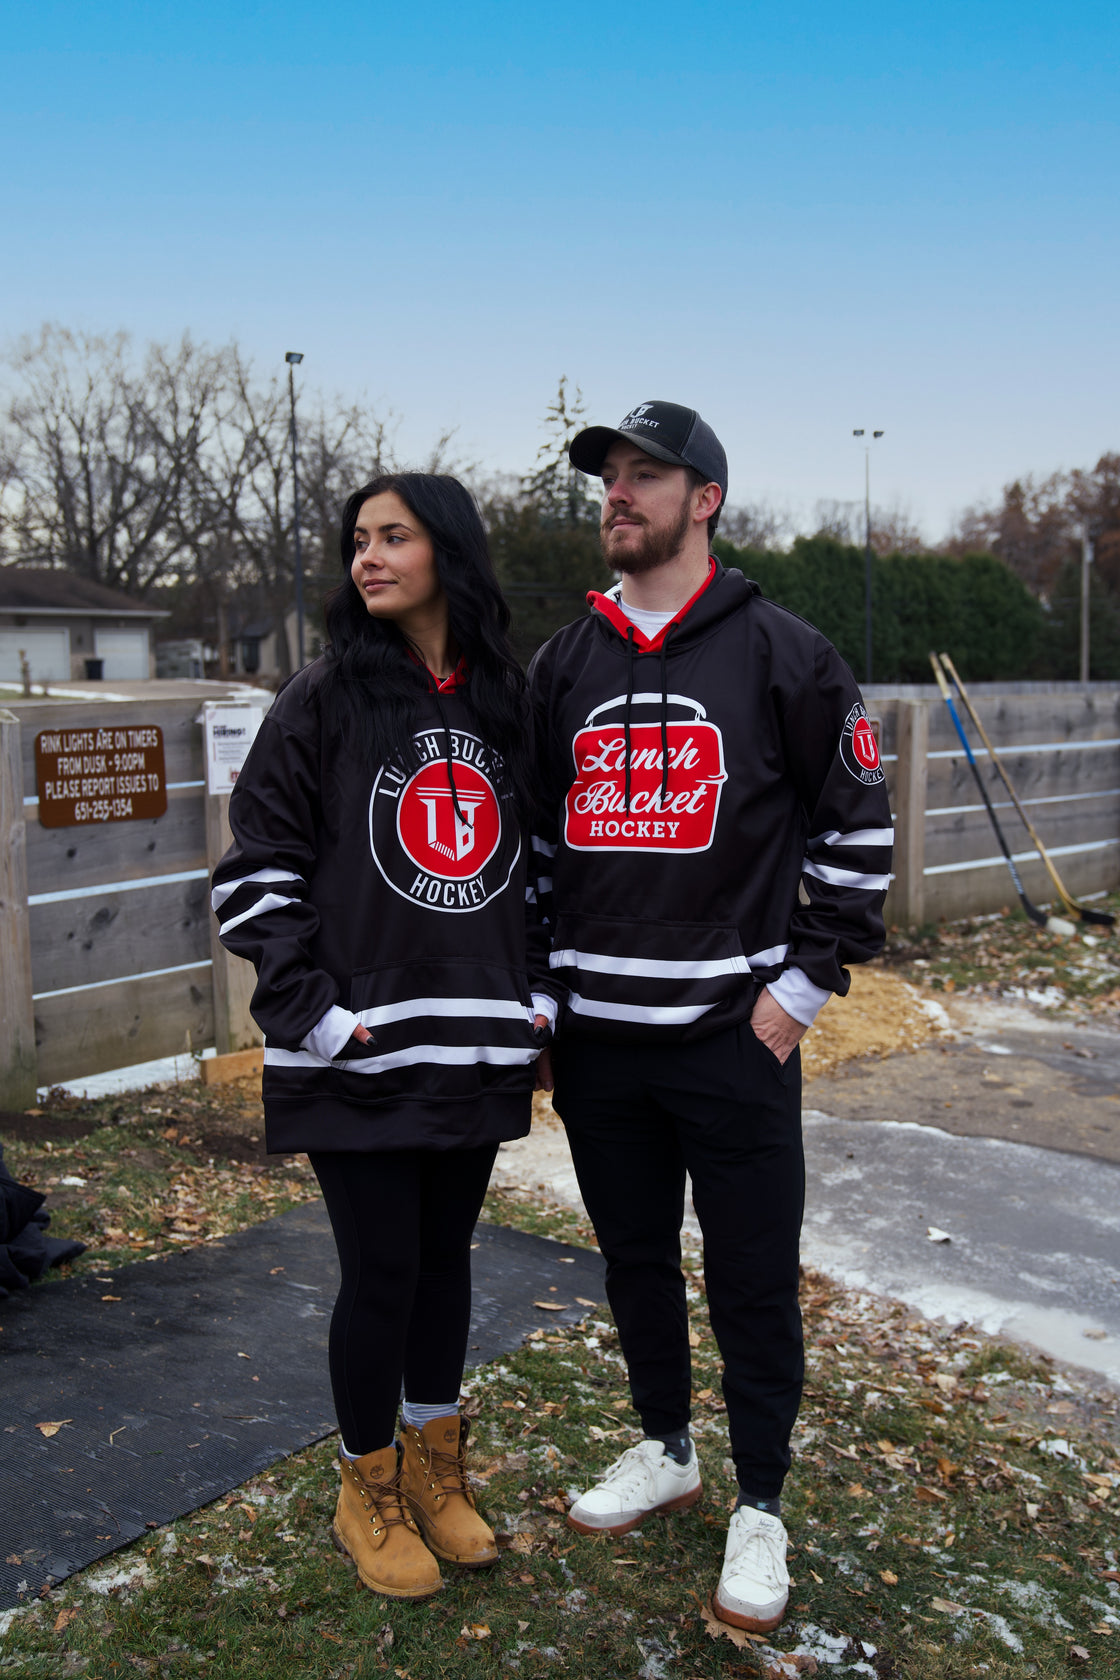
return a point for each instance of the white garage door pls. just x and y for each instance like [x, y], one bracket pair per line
[48, 654]
[125, 653]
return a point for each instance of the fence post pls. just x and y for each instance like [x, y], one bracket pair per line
[17, 1012]
[908, 896]
[234, 978]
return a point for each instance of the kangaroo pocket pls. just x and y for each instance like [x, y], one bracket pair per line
[646, 977]
[447, 1029]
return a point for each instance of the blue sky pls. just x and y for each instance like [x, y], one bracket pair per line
[799, 218]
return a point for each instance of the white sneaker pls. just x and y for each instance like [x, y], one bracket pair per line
[753, 1586]
[644, 1481]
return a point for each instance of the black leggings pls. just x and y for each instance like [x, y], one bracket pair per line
[403, 1221]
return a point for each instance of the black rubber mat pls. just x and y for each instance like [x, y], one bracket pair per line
[177, 1379]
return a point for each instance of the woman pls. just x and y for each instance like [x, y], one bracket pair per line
[377, 882]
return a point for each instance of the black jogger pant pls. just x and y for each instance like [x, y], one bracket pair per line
[638, 1117]
[403, 1221]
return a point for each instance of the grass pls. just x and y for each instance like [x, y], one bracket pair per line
[953, 1507]
[151, 1172]
[938, 1531]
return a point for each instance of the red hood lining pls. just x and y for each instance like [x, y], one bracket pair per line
[616, 615]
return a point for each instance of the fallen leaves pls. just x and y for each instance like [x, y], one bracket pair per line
[715, 1629]
[49, 1429]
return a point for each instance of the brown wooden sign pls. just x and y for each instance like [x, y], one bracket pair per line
[99, 775]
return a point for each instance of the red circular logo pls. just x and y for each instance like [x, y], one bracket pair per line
[453, 844]
[864, 745]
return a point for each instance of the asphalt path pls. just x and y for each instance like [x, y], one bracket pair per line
[1007, 1141]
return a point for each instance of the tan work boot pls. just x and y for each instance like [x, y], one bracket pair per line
[374, 1526]
[434, 1480]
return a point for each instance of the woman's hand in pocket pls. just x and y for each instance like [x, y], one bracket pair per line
[774, 1028]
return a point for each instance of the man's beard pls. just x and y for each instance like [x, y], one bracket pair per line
[656, 548]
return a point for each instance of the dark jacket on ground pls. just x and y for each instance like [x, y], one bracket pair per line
[398, 895]
[692, 786]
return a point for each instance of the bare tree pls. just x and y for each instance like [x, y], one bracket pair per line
[755, 525]
[893, 530]
[101, 453]
[1032, 530]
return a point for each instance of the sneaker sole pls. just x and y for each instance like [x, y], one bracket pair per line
[752, 1624]
[683, 1502]
[381, 1586]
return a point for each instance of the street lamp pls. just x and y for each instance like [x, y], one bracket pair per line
[293, 358]
[859, 432]
[1088, 554]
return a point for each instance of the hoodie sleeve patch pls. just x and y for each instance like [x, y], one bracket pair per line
[859, 750]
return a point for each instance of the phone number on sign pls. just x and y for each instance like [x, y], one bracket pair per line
[101, 810]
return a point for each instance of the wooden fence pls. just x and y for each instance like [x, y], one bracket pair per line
[108, 950]
[1060, 744]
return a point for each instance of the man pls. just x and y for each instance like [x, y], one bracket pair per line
[715, 846]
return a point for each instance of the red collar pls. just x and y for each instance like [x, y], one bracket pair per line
[615, 613]
[442, 685]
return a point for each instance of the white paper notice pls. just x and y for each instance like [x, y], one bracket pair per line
[230, 728]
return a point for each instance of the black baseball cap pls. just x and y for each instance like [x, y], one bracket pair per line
[664, 430]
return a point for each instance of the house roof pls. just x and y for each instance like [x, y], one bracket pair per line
[48, 591]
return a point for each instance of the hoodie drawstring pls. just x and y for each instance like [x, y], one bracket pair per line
[630, 650]
[664, 718]
[450, 760]
[629, 703]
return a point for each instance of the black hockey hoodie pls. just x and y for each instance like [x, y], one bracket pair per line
[715, 812]
[397, 895]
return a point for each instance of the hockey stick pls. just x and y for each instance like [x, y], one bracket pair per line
[1052, 924]
[1100, 918]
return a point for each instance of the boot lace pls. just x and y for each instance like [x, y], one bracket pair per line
[387, 1501]
[447, 1472]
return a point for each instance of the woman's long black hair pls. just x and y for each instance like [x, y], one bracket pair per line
[372, 686]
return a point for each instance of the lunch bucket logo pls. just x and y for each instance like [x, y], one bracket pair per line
[597, 817]
[859, 748]
[445, 850]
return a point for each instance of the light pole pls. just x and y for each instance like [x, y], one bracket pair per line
[859, 432]
[293, 358]
[1087, 557]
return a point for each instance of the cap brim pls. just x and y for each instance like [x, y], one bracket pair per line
[588, 450]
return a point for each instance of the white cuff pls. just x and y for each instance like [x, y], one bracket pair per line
[327, 1039]
[797, 995]
[546, 1006]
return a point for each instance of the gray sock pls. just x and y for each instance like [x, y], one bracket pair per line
[416, 1413]
[772, 1507]
[678, 1444]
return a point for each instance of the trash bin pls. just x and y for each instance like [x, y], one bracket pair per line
[95, 670]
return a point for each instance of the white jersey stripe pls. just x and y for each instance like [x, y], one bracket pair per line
[270, 901]
[648, 968]
[448, 1055]
[491, 1009]
[845, 877]
[858, 837]
[766, 959]
[265, 876]
[650, 1015]
[544, 847]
